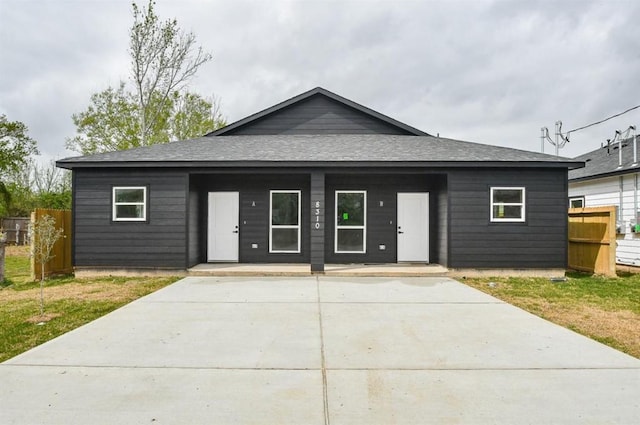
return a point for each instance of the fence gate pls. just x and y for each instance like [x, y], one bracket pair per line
[592, 240]
[61, 263]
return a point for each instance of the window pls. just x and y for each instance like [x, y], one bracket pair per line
[507, 204]
[576, 202]
[130, 203]
[285, 221]
[351, 222]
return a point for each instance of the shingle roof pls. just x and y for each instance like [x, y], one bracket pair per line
[606, 161]
[273, 150]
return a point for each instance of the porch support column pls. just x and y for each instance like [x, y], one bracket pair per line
[317, 222]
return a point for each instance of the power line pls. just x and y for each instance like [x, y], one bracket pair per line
[601, 121]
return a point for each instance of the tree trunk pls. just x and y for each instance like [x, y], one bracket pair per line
[42, 290]
[2, 254]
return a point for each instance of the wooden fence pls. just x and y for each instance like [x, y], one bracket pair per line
[61, 263]
[17, 230]
[592, 240]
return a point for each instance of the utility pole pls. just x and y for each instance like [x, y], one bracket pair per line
[560, 139]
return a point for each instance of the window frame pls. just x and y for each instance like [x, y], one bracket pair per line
[114, 204]
[576, 198]
[284, 226]
[362, 227]
[523, 204]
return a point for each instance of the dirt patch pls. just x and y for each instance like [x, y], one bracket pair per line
[77, 291]
[17, 251]
[622, 326]
[44, 318]
[619, 328]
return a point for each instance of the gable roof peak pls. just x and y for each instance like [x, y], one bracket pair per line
[230, 129]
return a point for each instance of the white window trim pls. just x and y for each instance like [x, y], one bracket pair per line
[114, 204]
[283, 226]
[576, 198]
[506, 204]
[363, 227]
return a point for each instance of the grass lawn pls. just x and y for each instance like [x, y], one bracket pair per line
[605, 309]
[68, 302]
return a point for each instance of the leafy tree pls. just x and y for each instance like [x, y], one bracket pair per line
[194, 116]
[15, 148]
[159, 109]
[37, 186]
[110, 123]
[15, 145]
[163, 59]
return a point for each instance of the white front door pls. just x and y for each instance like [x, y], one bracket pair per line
[223, 233]
[413, 227]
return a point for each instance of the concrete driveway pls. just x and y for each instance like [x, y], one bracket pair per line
[320, 350]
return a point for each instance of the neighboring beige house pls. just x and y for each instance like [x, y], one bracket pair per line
[610, 177]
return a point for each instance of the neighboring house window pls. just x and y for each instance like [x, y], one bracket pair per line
[576, 202]
[351, 222]
[130, 203]
[507, 204]
[285, 221]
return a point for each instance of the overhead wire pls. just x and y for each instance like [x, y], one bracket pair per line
[601, 121]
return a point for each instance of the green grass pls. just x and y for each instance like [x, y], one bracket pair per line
[69, 303]
[605, 309]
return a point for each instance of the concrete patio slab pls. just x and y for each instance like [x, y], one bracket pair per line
[399, 290]
[320, 350]
[244, 289]
[260, 270]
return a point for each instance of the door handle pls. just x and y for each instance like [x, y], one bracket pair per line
[400, 232]
[235, 231]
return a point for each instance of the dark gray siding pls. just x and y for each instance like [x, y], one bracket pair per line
[317, 218]
[381, 220]
[440, 235]
[254, 213]
[540, 242]
[317, 115]
[160, 242]
[194, 225]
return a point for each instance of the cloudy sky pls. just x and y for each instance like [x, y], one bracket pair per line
[493, 72]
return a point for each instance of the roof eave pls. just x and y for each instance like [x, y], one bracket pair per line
[607, 174]
[309, 164]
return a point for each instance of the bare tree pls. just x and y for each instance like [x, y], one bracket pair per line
[44, 235]
[163, 58]
[49, 178]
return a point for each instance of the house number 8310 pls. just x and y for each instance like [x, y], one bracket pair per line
[316, 214]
